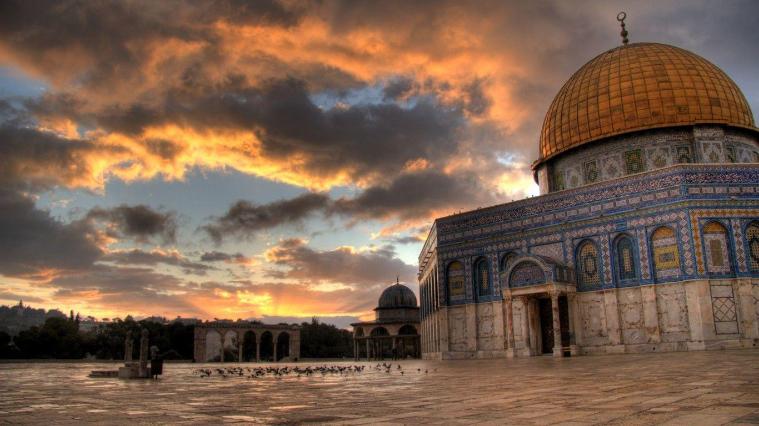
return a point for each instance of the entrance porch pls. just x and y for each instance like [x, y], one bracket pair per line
[540, 320]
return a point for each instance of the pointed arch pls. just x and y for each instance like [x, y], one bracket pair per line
[482, 282]
[665, 253]
[752, 246]
[506, 260]
[716, 248]
[588, 266]
[625, 258]
[455, 280]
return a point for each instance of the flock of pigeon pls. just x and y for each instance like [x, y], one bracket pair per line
[323, 370]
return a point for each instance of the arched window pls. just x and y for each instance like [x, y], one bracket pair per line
[752, 239]
[506, 261]
[665, 253]
[588, 266]
[625, 253]
[717, 253]
[455, 277]
[482, 277]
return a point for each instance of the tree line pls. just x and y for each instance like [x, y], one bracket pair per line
[61, 338]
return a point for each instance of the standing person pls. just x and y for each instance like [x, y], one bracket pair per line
[156, 362]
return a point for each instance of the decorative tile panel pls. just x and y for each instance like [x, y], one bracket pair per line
[633, 161]
[456, 279]
[526, 273]
[555, 251]
[588, 267]
[590, 171]
[665, 252]
[740, 252]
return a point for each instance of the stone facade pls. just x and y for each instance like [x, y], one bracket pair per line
[660, 260]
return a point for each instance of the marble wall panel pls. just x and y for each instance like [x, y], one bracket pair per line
[673, 313]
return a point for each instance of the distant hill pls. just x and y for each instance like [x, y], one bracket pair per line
[14, 319]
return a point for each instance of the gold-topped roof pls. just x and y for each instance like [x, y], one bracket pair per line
[640, 86]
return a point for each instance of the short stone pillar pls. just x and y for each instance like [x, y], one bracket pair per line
[144, 341]
[258, 349]
[128, 347]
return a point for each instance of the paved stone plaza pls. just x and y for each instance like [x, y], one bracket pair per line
[697, 388]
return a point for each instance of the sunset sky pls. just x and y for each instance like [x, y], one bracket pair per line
[283, 159]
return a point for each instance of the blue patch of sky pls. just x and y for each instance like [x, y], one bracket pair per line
[203, 194]
[367, 95]
[14, 84]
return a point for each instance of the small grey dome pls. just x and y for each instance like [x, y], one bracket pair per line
[397, 296]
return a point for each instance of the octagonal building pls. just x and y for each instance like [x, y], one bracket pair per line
[645, 237]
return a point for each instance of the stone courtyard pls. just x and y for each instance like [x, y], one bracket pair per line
[694, 388]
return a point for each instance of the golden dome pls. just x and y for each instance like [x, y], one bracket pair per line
[636, 87]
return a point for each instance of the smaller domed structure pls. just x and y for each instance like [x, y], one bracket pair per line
[397, 296]
[394, 331]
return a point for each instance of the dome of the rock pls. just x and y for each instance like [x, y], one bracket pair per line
[636, 87]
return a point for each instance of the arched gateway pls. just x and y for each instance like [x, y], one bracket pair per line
[244, 341]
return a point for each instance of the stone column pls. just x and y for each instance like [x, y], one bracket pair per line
[368, 351]
[274, 346]
[525, 301]
[395, 348]
[557, 351]
[258, 349]
[571, 314]
[128, 347]
[240, 337]
[355, 349]
[508, 314]
[144, 372]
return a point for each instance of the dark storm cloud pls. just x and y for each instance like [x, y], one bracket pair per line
[139, 222]
[476, 101]
[156, 257]
[341, 265]
[32, 159]
[5, 295]
[398, 88]
[409, 197]
[416, 195]
[32, 241]
[218, 256]
[113, 36]
[410, 239]
[365, 140]
[245, 218]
